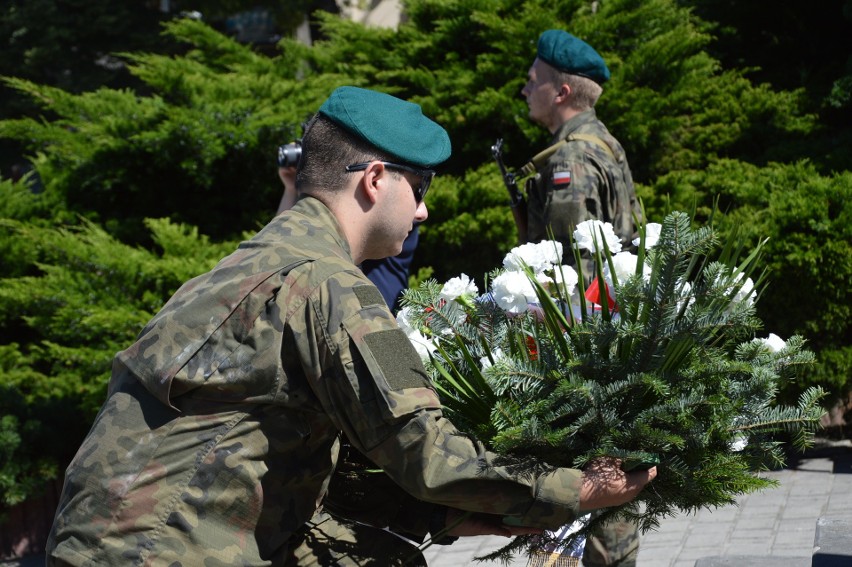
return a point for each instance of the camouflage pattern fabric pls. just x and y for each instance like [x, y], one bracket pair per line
[581, 181]
[616, 543]
[361, 492]
[326, 540]
[222, 424]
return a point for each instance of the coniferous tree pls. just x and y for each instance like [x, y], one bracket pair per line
[84, 298]
[196, 143]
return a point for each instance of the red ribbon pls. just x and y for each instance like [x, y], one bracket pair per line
[593, 294]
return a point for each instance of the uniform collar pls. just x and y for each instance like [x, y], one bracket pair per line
[310, 216]
[574, 123]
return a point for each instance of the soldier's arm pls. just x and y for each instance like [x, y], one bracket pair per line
[379, 394]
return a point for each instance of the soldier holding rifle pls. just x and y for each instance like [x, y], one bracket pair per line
[582, 175]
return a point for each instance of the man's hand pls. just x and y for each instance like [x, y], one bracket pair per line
[287, 175]
[464, 524]
[605, 484]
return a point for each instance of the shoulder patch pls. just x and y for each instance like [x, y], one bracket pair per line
[368, 295]
[398, 360]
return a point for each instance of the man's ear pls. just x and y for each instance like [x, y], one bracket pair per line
[375, 179]
[563, 93]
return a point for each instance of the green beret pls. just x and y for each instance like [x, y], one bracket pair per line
[390, 124]
[572, 55]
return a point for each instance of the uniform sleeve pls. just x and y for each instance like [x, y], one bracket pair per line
[361, 492]
[378, 393]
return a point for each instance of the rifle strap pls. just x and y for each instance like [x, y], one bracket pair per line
[541, 158]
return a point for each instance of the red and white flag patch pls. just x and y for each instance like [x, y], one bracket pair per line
[561, 177]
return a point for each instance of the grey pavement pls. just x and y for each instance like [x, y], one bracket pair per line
[776, 523]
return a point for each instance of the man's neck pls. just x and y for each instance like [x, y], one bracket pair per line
[563, 115]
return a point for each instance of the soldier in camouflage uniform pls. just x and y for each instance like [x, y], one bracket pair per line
[582, 176]
[221, 430]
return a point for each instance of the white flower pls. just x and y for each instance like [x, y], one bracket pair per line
[773, 342]
[625, 266]
[588, 232]
[538, 256]
[403, 319]
[485, 362]
[744, 293]
[456, 287]
[544, 280]
[424, 346]
[421, 343]
[513, 291]
[566, 278]
[685, 295]
[652, 235]
[744, 290]
[739, 443]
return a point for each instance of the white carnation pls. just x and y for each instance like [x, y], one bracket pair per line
[773, 342]
[485, 362]
[652, 235]
[625, 266]
[403, 319]
[538, 256]
[513, 291]
[745, 290]
[739, 443]
[744, 293]
[423, 345]
[566, 278]
[588, 232]
[456, 287]
[685, 296]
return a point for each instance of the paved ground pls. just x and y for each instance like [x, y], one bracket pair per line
[779, 522]
[775, 523]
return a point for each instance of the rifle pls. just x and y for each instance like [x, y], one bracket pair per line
[517, 203]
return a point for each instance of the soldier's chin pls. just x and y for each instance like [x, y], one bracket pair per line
[391, 254]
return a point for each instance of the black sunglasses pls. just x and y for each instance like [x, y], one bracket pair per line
[425, 175]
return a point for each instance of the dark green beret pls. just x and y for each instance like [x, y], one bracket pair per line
[390, 124]
[572, 55]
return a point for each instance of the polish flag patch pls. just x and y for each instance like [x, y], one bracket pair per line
[561, 177]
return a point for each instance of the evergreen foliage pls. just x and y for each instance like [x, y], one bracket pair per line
[675, 377]
[793, 46]
[190, 133]
[85, 298]
[807, 219]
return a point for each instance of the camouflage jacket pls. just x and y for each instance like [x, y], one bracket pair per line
[222, 425]
[581, 181]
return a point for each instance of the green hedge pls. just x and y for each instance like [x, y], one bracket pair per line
[84, 266]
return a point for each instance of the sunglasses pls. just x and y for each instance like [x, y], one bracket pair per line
[425, 175]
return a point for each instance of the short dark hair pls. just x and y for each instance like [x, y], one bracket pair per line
[327, 149]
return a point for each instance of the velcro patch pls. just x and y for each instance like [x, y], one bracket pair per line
[368, 295]
[398, 360]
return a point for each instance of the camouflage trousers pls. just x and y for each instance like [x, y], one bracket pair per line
[615, 543]
[327, 541]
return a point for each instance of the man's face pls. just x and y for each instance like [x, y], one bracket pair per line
[401, 212]
[540, 93]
